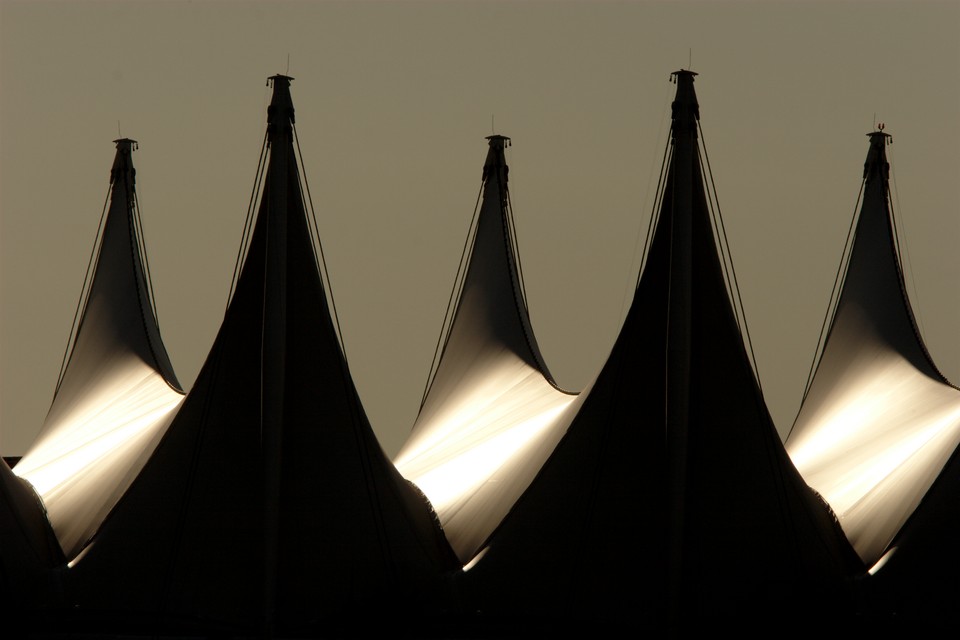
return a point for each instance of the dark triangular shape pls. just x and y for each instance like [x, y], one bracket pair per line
[916, 584]
[671, 498]
[28, 553]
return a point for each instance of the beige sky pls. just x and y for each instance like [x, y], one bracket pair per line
[393, 102]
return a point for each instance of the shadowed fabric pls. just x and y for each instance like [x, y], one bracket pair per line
[118, 392]
[269, 504]
[670, 499]
[29, 551]
[879, 420]
[492, 413]
[918, 583]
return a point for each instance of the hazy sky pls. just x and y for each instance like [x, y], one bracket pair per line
[393, 102]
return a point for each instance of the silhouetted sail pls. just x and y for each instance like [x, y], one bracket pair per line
[878, 420]
[117, 393]
[269, 503]
[28, 551]
[671, 497]
[492, 413]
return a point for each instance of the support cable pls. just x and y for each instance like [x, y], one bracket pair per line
[834, 293]
[142, 252]
[84, 292]
[894, 218]
[317, 244]
[745, 330]
[454, 299]
[657, 203]
[247, 225]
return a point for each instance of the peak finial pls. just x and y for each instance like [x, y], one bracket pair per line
[284, 79]
[126, 143]
[880, 137]
[682, 73]
[503, 142]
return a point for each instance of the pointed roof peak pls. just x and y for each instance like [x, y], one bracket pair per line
[877, 155]
[126, 143]
[123, 161]
[496, 140]
[880, 137]
[686, 109]
[280, 113]
[878, 134]
[495, 157]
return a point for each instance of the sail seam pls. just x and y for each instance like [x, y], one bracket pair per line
[727, 257]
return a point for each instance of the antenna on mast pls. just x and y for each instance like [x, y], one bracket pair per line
[690, 58]
[288, 65]
[493, 129]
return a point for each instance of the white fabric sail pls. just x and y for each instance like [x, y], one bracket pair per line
[118, 391]
[878, 421]
[492, 413]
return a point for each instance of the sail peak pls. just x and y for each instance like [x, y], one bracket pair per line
[499, 140]
[123, 162]
[686, 109]
[877, 155]
[495, 157]
[280, 113]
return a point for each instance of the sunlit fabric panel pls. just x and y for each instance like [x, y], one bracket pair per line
[879, 420]
[918, 577]
[475, 455]
[95, 444]
[882, 438]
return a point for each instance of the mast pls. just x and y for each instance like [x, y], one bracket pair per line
[280, 119]
[686, 114]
